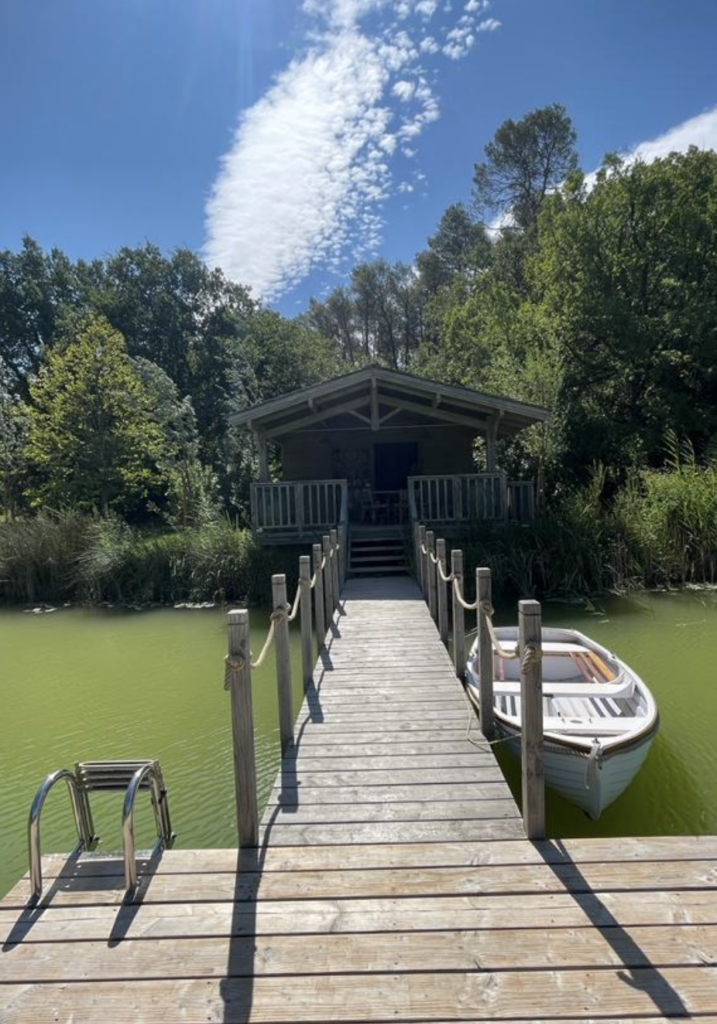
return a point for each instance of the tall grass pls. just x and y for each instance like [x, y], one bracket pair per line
[658, 530]
[67, 557]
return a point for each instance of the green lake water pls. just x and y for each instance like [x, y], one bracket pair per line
[81, 685]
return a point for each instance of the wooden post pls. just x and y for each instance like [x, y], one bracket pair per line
[335, 582]
[531, 711]
[418, 557]
[459, 618]
[239, 685]
[283, 661]
[424, 570]
[328, 581]
[263, 457]
[343, 553]
[307, 651]
[432, 596]
[441, 590]
[319, 611]
[485, 655]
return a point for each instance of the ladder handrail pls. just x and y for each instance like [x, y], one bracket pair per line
[83, 822]
[152, 772]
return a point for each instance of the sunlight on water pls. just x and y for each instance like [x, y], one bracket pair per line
[81, 685]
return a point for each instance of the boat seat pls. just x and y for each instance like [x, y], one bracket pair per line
[622, 687]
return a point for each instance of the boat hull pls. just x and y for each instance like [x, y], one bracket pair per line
[568, 772]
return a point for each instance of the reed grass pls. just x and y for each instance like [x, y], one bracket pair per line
[67, 557]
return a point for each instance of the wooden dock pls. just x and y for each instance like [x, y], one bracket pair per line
[393, 882]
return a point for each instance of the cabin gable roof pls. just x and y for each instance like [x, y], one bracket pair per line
[373, 395]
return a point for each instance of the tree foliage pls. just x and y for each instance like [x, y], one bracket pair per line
[525, 161]
[93, 441]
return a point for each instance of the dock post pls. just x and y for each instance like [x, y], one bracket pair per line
[319, 613]
[307, 654]
[531, 710]
[441, 591]
[423, 559]
[328, 581]
[335, 580]
[484, 593]
[238, 682]
[418, 557]
[459, 618]
[432, 596]
[343, 542]
[283, 660]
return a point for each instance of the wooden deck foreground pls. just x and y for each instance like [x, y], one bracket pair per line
[393, 883]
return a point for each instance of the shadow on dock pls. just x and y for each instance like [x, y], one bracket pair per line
[639, 973]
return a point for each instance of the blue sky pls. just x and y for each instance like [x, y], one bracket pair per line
[284, 139]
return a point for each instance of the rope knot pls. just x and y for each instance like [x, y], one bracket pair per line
[232, 663]
[279, 613]
[531, 654]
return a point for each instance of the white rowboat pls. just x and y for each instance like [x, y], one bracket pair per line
[599, 717]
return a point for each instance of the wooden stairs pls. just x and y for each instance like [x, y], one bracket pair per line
[376, 555]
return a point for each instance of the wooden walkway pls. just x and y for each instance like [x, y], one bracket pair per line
[393, 883]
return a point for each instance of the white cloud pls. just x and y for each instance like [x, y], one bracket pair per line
[429, 45]
[308, 169]
[404, 90]
[700, 131]
[426, 8]
[459, 41]
[489, 25]
[476, 5]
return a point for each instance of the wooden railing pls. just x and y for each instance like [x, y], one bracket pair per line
[443, 589]
[458, 499]
[298, 506]
[521, 501]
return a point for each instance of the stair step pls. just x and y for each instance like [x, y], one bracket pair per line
[378, 558]
[379, 571]
[392, 545]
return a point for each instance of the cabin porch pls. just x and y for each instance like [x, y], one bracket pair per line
[291, 511]
[378, 450]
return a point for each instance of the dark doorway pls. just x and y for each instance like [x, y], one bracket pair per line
[393, 464]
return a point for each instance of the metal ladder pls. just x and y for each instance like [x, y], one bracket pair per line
[129, 776]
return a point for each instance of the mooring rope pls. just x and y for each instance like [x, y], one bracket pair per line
[470, 606]
[446, 579]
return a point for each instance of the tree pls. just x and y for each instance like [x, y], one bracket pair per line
[636, 314]
[336, 319]
[460, 245]
[192, 488]
[12, 444]
[92, 438]
[186, 318]
[525, 160]
[36, 289]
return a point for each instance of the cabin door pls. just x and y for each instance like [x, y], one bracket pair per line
[393, 464]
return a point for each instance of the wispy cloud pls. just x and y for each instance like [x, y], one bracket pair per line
[700, 131]
[309, 168]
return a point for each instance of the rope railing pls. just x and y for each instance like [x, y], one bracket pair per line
[430, 551]
[446, 579]
[470, 606]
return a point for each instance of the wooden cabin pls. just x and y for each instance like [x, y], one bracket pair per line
[376, 450]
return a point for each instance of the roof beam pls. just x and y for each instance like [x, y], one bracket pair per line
[439, 414]
[315, 417]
